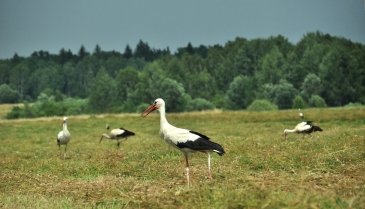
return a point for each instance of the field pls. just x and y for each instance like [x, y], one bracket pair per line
[259, 170]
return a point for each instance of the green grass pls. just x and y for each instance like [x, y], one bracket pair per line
[260, 168]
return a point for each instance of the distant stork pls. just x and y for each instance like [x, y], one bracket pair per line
[63, 137]
[305, 127]
[301, 115]
[119, 134]
[185, 140]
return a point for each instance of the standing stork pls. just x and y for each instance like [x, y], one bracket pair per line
[301, 115]
[305, 127]
[119, 134]
[183, 139]
[63, 137]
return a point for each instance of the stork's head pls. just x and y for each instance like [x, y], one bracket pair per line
[156, 105]
[64, 122]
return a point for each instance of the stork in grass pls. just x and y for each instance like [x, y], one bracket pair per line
[301, 115]
[305, 127]
[63, 137]
[185, 140]
[118, 134]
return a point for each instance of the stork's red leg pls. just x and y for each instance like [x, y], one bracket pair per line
[187, 169]
[209, 172]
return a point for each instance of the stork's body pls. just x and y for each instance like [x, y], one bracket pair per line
[185, 140]
[63, 137]
[118, 134]
[305, 127]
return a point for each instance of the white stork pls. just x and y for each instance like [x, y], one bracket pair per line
[305, 127]
[185, 140]
[63, 137]
[301, 115]
[119, 134]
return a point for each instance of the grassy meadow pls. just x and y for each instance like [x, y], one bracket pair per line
[259, 170]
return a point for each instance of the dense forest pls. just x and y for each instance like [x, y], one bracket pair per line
[320, 70]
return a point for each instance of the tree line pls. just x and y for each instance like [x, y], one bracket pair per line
[320, 70]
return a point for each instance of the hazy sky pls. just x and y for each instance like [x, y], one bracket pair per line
[31, 25]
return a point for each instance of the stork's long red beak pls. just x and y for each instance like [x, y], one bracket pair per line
[149, 109]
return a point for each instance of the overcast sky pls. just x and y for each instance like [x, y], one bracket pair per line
[31, 25]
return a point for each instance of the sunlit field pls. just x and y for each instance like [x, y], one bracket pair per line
[5, 108]
[259, 170]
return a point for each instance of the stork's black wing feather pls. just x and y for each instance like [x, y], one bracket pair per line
[201, 135]
[126, 133]
[202, 144]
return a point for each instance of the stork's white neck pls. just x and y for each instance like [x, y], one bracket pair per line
[163, 120]
[64, 126]
[289, 131]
